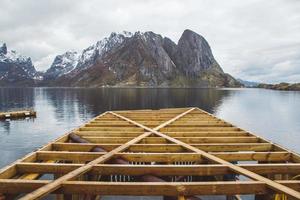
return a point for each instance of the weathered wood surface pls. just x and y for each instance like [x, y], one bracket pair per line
[170, 144]
[17, 114]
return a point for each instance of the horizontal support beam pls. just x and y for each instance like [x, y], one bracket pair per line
[120, 129]
[166, 147]
[165, 157]
[196, 129]
[15, 186]
[172, 134]
[159, 170]
[154, 123]
[108, 133]
[160, 140]
[172, 189]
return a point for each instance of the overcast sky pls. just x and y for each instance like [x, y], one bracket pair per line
[251, 39]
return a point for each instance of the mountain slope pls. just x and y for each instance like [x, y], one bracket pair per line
[146, 59]
[16, 69]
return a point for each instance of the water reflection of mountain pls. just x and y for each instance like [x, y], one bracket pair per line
[69, 102]
[16, 98]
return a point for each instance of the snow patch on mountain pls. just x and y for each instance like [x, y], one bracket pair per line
[73, 61]
[62, 64]
[96, 51]
[9, 58]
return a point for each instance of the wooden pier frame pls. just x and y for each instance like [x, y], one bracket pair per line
[190, 149]
[17, 114]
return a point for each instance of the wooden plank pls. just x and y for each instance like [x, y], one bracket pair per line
[17, 114]
[179, 133]
[229, 156]
[146, 188]
[120, 129]
[197, 129]
[181, 198]
[68, 156]
[165, 157]
[159, 140]
[280, 156]
[154, 123]
[32, 175]
[159, 170]
[165, 147]
[172, 189]
[172, 134]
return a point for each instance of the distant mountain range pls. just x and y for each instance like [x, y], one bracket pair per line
[248, 83]
[124, 59]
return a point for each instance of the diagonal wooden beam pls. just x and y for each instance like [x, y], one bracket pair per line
[55, 184]
[271, 184]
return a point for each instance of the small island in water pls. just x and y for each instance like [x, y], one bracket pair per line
[280, 86]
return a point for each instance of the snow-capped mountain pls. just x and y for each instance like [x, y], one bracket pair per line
[62, 64]
[15, 68]
[142, 59]
[73, 62]
[124, 59]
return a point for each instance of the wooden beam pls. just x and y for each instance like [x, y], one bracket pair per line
[165, 147]
[178, 133]
[159, 140]
[197, 129]
[159, 170]
[146, 188]
[172, 189]
[165, 157]
[17, 114]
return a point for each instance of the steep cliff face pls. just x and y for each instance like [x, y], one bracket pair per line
[147, 59]
[196, 63]
[194, 55]
[16, 69]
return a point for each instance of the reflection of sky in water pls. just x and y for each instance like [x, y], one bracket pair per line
[274, 115]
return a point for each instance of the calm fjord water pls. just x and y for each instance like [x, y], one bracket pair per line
[274, 115]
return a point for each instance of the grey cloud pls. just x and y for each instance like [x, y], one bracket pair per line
[252, 39]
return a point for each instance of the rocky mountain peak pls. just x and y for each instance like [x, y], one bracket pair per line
[194, 54]
[3, 49]
[62, 64]
[15, 68]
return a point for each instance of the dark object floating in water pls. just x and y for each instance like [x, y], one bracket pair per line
[17, 114]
